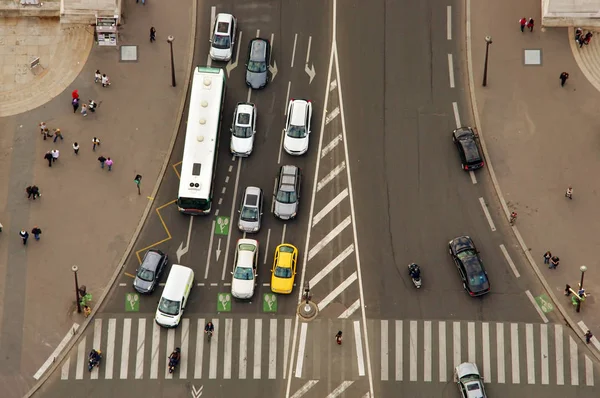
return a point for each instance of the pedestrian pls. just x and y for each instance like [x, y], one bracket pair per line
[523, 23]
[588, 336]
[35, 191]
[44, 130]
[578, 35]
[55, 155]
[48, 157]
[554, 262]
[75, 104]
[105, 81]
[96, 143]
[569, 193]
[84, 109]
[76, 148]
[109, 163]
[338, 338]
[563, 78]
[92, 106]
[102, 159]
[36, 231]
[97, 76]
[24, 235]
[547, 257]
[75, 94]
[57, 135]
[152, 34]
[567, 290]
[530, 24]
[29, 192]
[588, 38]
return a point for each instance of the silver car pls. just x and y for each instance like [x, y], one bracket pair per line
[287, 194]
[251, 210]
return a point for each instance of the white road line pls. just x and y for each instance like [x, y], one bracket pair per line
[584, 329]
[413, 351]
[185, 343]
[125, 347]
[272, 41]
[308, 50]
[332, 115]
[208, 255]
[214, 350]
[560, 362]
[243, 348]
[56, 351]
[249, 94]
[304, 389]
[487, 214]
[514, 352]
[574, 364]
[286, 344]
[280, 152]
[64, 370]
[170, 347]
[544, 353]
[213, 13]
[530, 353]
[267, 245]
[301, 348]
[427, 352]
[442, 349]
[287, 101]
[536, 306]
[257, 347]
[272, 348]
[199, 349]
[456, 114]
[589, 371]
[398, 364]
[449, 22]
[257, 32]
[233, 203]
[122, 284]
[350, 310]
[283, 234]
[500, 352]
[332, 85]
[329, 147]
[336, 292]
[451, 70]
[359, 349]
[330, 206]
[456, 342]
[96, 346]
[385, 354]
[223, 190]
[227, 349]
[294, 49]
[81, 360]
[141, 344]
[510, 261]
[485, 335]
[473, 178]
[329, 237]
[340, 389]
[109, 358]
[332, 174]
[329, 267]
[471, 342]
[227, 178]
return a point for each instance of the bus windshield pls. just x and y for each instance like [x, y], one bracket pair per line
[194, 204]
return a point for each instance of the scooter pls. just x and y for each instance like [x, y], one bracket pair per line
[94, 361]
[172, 365]
[415, 274]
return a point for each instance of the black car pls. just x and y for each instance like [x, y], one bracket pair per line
[466, 257]
[465, 140]
[149, 272]
[257, 65]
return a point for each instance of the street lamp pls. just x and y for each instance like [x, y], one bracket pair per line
[74, 269]
[488, 41]
[170, 40]
[581, 292]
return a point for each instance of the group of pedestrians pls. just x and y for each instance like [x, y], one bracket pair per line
[582, 39]
[526, 23]
[35, 231]
[91, 105]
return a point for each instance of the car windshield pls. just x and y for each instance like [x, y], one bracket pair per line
[145, 274]
[221, 42]
[168, 307]
[286, 197]
[242, 132]
[282, 272]
[466, 254]
[249, 214]
[257, 66]
[244, 274]
[286, 249]
[296, 131]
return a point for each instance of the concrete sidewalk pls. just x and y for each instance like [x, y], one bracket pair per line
[87, 215]
[541, 138]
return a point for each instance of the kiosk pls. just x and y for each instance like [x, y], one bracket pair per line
[106, 30]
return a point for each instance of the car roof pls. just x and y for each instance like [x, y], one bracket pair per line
[223, 17]
[245, 259]
[284, 260]
[258, 49]
[251, 196]
[472, 265]
[245, 107]
[287, 178]
[298, 112]
[471, 150]
[151, 260]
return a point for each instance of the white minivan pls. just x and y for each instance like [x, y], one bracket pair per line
[175, 296]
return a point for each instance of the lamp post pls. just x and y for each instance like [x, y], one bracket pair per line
[583, 268]
[74, 269]
[170, 40]
[488, 41]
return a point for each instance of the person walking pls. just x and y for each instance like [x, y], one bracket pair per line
[547, 257]
[76, 148]
[109, 163]
[92, 106]
[97, 76]
[35, 191]
[55, 155]
[102, 160]
[48, 157]
[75, 94]
[530, 24]
[588, 336]
[44, 130]
[523, 23]
[75, 103]
[29, 192]
[105, 81]
[36, 231]
[84, 109]
[95, 142]
[569, 193]
[152, 34]
[554, 262]
[24, 235]
[57, 135]
[338, 338]
[563, 78]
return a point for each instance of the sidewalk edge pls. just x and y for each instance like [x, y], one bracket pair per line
[524, 248]
[147, 210]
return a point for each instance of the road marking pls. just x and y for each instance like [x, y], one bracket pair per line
[209, 254]
[385, 355]
[509, 261]
[257, 347]
[487, 214]
[199, 349]
[213, 12]
[560, 364]
[471, 342]
[287, 96]
[81, 360]
[485, 335]
[330, 206]
[304, 389]
[169, 348]
[249, 94]
[350, 310]
[141, 344]
[125, 348]
[56, 352]
[308, 50]
[574, 367]
[283, 234]
[413, 350]
[500, 351]
[233, 203]
[536, 306]
[64, 371]
[332, 115]
[530, 353]
[294, 49]
[584, 329]
[329, 147]
[227, 349]
[451, 70]
[332, 85]
[589, 371]
[456, 342]
[214, 350]
[301, 348]
[514, 352]
[120, 285]
[334, 263]
[544, 353]
[227, 179]
[272, 45]
[223, 190]
[267, 245]
[473, 178]
[96, 346]
[257, 32]
[340, 389]
[442, 348]
[332, 174]
[280, 148]
[359, 349]
[427, 351]
[456, 114]
[336, 292]
[243, 348]
[399, 351]
[154, 352]
[286, 344]
[449, 22]
[329, 237]
[185, 338]
[272, 348]
[231, 65]
[220, 201]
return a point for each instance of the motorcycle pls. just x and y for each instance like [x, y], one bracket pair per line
[415, 274]
[94, 360]
[172, 365]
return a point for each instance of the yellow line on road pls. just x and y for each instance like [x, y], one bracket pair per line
[175, 169]
[128, 274]
[169, 237]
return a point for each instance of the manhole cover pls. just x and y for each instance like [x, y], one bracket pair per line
[129, 54]
[532, 57]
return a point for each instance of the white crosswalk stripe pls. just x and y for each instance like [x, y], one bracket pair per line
[512, 353]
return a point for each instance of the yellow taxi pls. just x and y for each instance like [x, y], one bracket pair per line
[284, 269]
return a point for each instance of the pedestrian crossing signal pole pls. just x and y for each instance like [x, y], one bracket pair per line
[170, 40]
[488, 41]
[581, 292]
[74, 269]
[138, 181]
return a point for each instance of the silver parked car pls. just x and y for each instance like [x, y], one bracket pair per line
[287, 195]
[251, 210]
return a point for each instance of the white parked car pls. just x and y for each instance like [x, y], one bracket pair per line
[470, 382]
[297, 127]
[245, 264]
[223, 39]
[243, 129]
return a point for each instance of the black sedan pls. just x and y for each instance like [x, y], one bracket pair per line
[465, 140]
[149, 272]
[471, 270]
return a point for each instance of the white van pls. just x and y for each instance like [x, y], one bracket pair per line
[175, 296]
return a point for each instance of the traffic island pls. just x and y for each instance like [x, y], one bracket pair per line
[307, 310]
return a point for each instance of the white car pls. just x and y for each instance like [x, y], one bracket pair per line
[470, 383]
[223, 39]
[243, 129]
[245, 264]
[297, 127]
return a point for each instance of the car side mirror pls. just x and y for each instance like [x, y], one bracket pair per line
[232, 273]
[210, 40]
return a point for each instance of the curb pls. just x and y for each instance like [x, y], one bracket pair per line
[136, 233]
[572, 324]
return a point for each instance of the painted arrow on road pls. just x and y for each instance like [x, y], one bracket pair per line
[218, 249]
[273, 70]
[196, 393]
[232, 65]
[183, 250]
[310, 71]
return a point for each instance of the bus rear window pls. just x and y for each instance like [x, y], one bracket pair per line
[193, 203]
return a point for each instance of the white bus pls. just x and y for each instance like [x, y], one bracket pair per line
[201, 141]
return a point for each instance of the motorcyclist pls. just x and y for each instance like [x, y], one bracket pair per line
[175, 357]
[94, 356]
[415, 271]
[209, 328]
